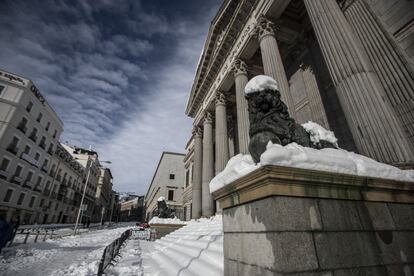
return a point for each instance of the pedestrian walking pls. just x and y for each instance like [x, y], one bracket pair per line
[87, 223]
[5, 231]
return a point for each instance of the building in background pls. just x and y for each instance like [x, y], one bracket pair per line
[168, 182]
[104, 193]
[347, 65]
[132, 208]
[29, 135]
[114, 207]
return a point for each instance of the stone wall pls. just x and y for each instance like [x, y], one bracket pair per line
[330, 234]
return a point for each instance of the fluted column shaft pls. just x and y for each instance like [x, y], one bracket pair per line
[222, 142]
[393, 70]
[373, 123]
[208, 166]
[197, 178]
[272, 60]
[241, 79]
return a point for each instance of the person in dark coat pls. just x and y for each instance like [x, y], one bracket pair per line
[5, 232]
[87, 223]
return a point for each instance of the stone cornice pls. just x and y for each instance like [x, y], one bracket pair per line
[213, 59]
[286, 181]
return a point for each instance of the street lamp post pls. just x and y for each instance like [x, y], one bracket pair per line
[84, 192]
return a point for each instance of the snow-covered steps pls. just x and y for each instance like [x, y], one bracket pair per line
[195, 249]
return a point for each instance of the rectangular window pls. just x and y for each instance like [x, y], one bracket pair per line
[47, 126]
[171, 195]
[4, 164]
[56, 206]
[172, 176]
[54, 133]
[18, 171]
[29, 106]
[21, 198]
[187, 178]
[32, 201]
[39, 118]
[27, 149]
[8, 195]
[29, 176]
[39, 181]
[42, 201]
[37, 156]
[1, 88]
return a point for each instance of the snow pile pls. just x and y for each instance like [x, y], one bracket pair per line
[175, 220]
[194, 249]
[318, 133]
[294, 155]
[260, 83]
[161, 198]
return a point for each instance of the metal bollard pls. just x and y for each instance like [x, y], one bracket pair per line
[44, 237]
[37, 235]
[27, 236]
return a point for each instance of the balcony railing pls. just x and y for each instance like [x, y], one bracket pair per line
[16, 179]
[28, 184]
[4, 174]
[12, 148]
[22, 128]
[30, 159]
[46, 192]
[37, 189]
[44, 168]
[33, 137]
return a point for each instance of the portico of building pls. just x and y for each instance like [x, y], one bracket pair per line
[325, 73]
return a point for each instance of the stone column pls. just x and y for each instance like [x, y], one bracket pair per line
[272, 60]
[373, 123]
[198, 159]
[222, 142]
[392, 68]
[240, 76]
[208, 165]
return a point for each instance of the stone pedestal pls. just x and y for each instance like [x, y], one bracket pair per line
[280, 220]
[162, 230]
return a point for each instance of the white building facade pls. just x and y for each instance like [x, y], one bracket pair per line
[168, 182]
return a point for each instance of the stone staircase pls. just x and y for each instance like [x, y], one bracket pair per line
[195, 249]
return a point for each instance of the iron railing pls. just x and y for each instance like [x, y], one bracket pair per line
[111, 251]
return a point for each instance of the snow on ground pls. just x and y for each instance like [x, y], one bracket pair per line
[294, 155]
[175, 220]
[194, 249]
[72, 255]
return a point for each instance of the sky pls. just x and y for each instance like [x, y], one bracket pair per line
[117, 72]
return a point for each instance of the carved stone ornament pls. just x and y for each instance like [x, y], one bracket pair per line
[208, 118]
[239, 67]
[270, 121]
[220, 98]
[197, 131]
[265, 27]
[163, 210]
[305, 67]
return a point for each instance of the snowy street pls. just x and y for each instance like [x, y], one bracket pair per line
[71, 255]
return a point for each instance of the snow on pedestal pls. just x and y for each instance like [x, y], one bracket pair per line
[318, 133]
[175, 220]
[294, 155]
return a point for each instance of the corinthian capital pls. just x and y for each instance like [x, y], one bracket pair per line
[208, 117]
[265, 27]
[197, 131]
[239, 67]
[220, 98]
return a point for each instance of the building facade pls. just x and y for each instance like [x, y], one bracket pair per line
[132, 209]
[104, 193]
[167, 182]
[347, 65]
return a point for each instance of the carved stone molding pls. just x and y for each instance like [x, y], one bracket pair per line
[208, 117]
[197, 132]
[220, 98]
[265, 27]
[239, 67]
